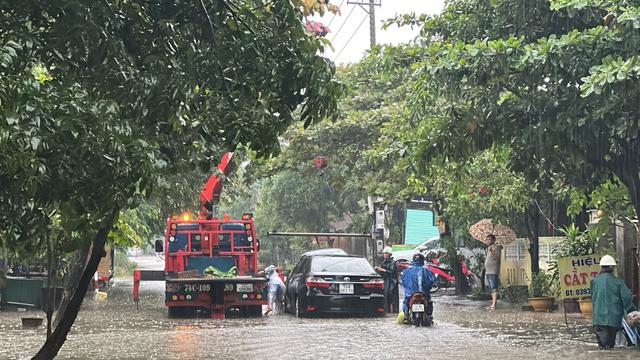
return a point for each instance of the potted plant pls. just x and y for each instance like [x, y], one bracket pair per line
[586, 307]
[540, 292]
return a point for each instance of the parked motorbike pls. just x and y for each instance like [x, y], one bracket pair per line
[444, 276]
[418, 309]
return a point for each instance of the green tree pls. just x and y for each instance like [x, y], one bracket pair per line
[538, 77]
[541, 77]
[100, 101]
[376, 91]
[485, 186]
[290, 202]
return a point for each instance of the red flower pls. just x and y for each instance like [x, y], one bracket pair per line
[472, 195]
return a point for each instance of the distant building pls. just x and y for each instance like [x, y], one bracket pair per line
[420, 223]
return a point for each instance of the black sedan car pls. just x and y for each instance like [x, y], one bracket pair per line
[324, 283]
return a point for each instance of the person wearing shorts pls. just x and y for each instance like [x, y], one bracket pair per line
[492, 269]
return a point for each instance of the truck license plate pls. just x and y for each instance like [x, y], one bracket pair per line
[417, 307]
[346, 288]
[244, 287]
[197, 287]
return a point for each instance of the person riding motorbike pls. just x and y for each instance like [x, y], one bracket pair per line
[417, 278]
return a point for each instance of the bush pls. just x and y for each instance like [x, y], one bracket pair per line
[540, 285]
[123, 267]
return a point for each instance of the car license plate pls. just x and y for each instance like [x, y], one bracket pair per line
[244, 288]
[417, 307]
[346, 288]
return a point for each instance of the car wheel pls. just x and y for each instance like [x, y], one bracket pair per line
[298, 311]
[286, 305]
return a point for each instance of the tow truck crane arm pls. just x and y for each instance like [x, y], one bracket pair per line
[210, 195]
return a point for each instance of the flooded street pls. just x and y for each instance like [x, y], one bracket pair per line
[114, 329]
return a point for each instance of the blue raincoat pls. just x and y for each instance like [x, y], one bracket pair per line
[417, 278]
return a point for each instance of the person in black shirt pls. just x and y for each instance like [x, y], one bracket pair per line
[389, 272]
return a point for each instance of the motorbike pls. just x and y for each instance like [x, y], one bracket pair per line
[418, 309]
[444, 276]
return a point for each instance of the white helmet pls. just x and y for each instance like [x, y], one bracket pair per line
[387, 250]
[608, 260]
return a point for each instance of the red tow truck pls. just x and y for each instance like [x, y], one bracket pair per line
[211, 265]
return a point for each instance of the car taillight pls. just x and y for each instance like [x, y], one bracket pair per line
[317, 282]
[374, 284]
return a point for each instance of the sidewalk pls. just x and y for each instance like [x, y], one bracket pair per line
[449, 297]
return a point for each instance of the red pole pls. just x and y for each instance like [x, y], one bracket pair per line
[136, 286]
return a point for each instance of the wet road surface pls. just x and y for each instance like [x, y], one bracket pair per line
[114, 329]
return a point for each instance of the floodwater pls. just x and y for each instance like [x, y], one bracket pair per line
[115, 329]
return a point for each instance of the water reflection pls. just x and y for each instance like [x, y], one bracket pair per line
[114, 329]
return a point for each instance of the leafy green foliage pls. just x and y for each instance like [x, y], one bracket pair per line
[123, 267]
[374, 97]
[290, 202]
[483, 187]
[102, 102]
[541, 284]
[519, 78]
[132, 228]
[577, 242]
[142, 92]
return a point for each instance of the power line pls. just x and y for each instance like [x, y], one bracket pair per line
[334, 15]
[352, 35]
[345, 21]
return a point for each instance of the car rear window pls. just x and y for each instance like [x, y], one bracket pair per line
[340, 264]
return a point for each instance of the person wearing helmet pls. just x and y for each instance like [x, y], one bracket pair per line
[611, 300]
[389, 272]
[276, 290]
[417, 278]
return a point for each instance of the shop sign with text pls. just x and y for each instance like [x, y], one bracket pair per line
[576, 274]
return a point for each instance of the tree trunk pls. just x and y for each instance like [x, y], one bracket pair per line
[628, 172]
[53, 344]
[532, 222]
[462, 285]
[73, 278]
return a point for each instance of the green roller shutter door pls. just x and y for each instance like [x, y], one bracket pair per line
[420, 226]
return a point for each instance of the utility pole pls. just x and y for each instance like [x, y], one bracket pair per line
[372, 23]
[372, 16]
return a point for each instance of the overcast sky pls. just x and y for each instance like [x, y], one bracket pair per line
[350, 39]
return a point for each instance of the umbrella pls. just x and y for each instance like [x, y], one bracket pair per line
[504, 235]
[485, 227]
[481, 230]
